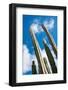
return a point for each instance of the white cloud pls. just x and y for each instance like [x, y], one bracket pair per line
[27, 60]
[36, 28]
[49, 24]
[36, 21]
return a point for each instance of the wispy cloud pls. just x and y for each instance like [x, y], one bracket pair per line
[49, 24]
[36, 21]
[35, 26]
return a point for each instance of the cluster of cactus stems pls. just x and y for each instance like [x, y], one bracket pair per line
[43, 66]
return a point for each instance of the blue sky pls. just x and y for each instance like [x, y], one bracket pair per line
[32, 20]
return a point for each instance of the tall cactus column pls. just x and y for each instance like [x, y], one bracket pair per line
[41, 64]
[34, 71]
[47, 66]
[50, 39]
[50, 57]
